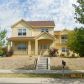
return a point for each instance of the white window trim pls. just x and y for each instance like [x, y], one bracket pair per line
[22, 31]
[44, 30]
[63, 40]
[21, 46]
[65, 49]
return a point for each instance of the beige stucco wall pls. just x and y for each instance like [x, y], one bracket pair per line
[37, 31]
[30, 31]
[19, 26]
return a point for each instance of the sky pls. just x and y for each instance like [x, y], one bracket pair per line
[61, 11]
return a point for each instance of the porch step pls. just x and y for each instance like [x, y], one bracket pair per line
[42, 63]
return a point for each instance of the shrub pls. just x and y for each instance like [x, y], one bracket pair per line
[10, 53]
[52, 52]
[1, 52]
[62, 55]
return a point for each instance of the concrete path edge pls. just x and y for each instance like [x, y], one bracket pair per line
[42, 71]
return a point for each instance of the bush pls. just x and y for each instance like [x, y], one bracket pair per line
[52, 52]
[1, 52]
[62, 55]
[10, 53]
[69, 55]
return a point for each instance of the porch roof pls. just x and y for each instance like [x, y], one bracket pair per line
[20, 38]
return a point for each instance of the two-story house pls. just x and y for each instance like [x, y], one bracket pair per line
[32, 37]
[36, 37]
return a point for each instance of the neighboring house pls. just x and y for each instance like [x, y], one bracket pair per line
[36, 37]
[61, 39]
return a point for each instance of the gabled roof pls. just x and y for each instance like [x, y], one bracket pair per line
[46, 34]
[37, 23]
[41, 23]
[20, 21]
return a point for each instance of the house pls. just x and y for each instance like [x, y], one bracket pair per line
[36, 37]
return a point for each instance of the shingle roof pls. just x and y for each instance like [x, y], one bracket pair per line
[41, 23]
[37, 23]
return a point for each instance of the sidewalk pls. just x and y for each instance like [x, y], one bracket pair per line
[40, 81]
[42, 71]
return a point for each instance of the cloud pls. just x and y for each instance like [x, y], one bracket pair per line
[61, 11]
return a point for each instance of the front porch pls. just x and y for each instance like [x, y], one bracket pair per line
[32, 46]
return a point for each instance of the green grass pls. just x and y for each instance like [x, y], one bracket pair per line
[41, 75]
[30, 75]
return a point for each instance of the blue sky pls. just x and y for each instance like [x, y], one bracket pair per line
[61, 11]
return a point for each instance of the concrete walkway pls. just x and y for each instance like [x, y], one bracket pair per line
[42, 63]
[42, 71]
[40, 81]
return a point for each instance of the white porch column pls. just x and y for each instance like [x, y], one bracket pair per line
[9, 46]
[36, 47]
[29, 47]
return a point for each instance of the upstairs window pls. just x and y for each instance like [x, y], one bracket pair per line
[64, 38]
[21, 32]
[44, 30]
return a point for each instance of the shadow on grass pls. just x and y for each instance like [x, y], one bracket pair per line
[27, 67]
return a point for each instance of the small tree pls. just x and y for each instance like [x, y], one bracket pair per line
[2, 40]
[76, 41]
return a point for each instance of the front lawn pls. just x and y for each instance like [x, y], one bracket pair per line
[18, 62]
[71, 63]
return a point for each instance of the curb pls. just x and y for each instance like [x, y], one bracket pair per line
[42, 71]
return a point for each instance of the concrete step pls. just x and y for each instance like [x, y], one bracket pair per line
[42, 63]
[41, 68]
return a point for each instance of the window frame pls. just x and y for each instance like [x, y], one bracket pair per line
[64, 38]
[44, 46]
[21, 32]
[65, 49]
[21, 46]
[44, 30]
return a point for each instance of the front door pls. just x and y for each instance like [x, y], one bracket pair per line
[43, 49]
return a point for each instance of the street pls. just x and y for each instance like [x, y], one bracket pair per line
[40, 81]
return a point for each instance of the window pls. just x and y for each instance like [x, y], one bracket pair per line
[63, 38]
[44, 30]
[22, 46]
[46, 46]
[21, 32]
[65, 50]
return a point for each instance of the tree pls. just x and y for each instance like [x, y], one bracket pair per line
[2, 40]
[79, 11]
[76, 38]
[76, 41]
